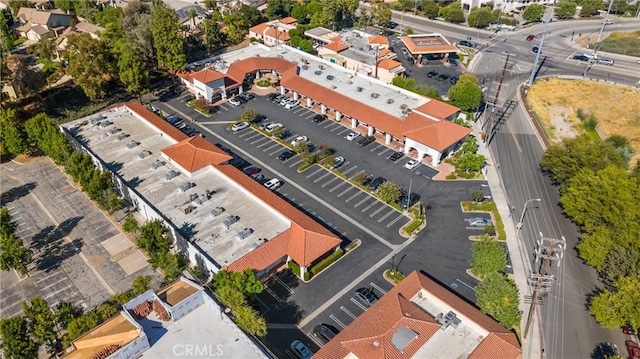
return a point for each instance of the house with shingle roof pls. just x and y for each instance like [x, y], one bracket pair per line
[420, 318]
[42, 24]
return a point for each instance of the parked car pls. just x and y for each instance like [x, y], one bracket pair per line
[292, 105]
[366, 296]
[319, 118]
[466, 43]
[272, 127]
[453, 79]
[479, 222]
[412, 164]
[235, 102]
[258, 177]
[279, 98]
[258, 119]
[285, 155]
[272, 96]
[432, 73]
[284, 100]
[443, 77]
[365, 141]
[273, 184]
[300, 350]
[581, 57]
[299, 139]
[536, 49]
[406, 201]
[628, 329]
[324, 333]
[633, 349]
[396, 156]
[607, 21]
[373, 185]
[239, 126]
[530, 37]
[265, 124]
[338, 161]
[247, 96]
[352, 136]
[251, 170]
[173, 119]
[605, 61]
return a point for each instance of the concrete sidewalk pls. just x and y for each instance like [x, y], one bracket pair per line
[531, 347]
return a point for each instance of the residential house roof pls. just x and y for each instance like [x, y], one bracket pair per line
[39, 29]
[389, 64]
[276, 33]
[259, 29]
[84, 26]
[395, 321]
[336, 46]
[40, 17]
[378, 39]
[289, 20]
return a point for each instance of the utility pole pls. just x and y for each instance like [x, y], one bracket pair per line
[548, 250]
[534, 70]
[594, 54]
[488, 126]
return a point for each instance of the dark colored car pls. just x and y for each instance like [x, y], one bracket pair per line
[366, 296]
[466, 43]
[411, 60]
[286, 155]
[258, 119]
[530, 37]
[366, 140]
[396, 156]
[323, 332]
[407, 201]
[272, 96]
[432, 73]
[581, 57]
[453, 79]
[443, 77]
[373, 185]
[318, 118]
[247, 96]
[536, 49]
[251, 170]
[628, 329]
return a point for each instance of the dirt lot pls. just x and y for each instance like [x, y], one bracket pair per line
[616, 108]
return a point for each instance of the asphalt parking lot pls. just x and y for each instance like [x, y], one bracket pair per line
[69, 238]
[442, 250]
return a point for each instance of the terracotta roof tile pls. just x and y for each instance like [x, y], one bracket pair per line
[262, 257]
[437, 45]
[369, 335]
[282, 35]
[207, 75]
[438, 135]
[336, 46]
[384, 52]
[259, 29]
[289, 20]
[438, 109]
[389, 64]
[185, 75]
[155, 121]
[378, 39]
[195, 153]
[238, 69]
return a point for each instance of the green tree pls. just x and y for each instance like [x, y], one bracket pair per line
[6, 34]
[15, 6]
[247, 282]
[381, 14]
[607, 197]
[66, 312]
[410, 84]
[16, 342]
[13, 254]
[24, 79]
[477, 196]
[622, 146]
[230, 297]
[213, 35]
[613, 309]
[305, 45]
[466, 93]
[79, 326]
[42, 319]
[250, 321]
[430, 9]
[566, 9]
[299, 12]
[480, 17]
[533, 13]
[454, 15]
[487, 257]
[360, 178]
[338, 14]
[621, 261]
[7, 226]
[389, 192]
[590, 7]
[497, 296]
[130, 224]
[88, 64]
[278, 9]
[248, 114]
[132, 70]
[155, 240]
[169, 46]
[109, 15]
[105, 311]
[141, 284]
[11, 132]
[566, 159]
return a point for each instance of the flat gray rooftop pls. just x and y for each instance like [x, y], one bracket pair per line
[375, 93]
[211, 235]
[200, 333]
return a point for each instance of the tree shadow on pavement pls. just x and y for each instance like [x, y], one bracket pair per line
[603, 351]
[16, 192]
[50, 246]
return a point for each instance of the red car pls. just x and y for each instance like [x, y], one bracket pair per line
[628, 329]
[633, 349]
[530, 37]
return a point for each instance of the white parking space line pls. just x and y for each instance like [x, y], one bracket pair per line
[387, 215]
[363, 201]
[321, 177]
[46, 278]
[345, 130]
[369, 206]
[330, 125]
[223, 108]
[51, 294]
[254, 135]
[54, 283]
[378, 288]
[328, 182]
[315, 340]
[350, 169]
[297, 110]
[377, 211]
[246, 133]
[276, 144]
[353, 196]
[353, 316]
[309, 116]
[315, 172]
[274, 295]
[288, 289]
[338, 186]
[260, 139]
[395, 220]
[296, 163]
[383, 151]
[377, 146]
[345, 191]
[274, 152]
[358, 304]
[340, 324]
[263, 144]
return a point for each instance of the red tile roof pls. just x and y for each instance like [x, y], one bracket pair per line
[264, 256]
[378, 39]
[259, 29]
[440, 134]
[155, 121]
[370, 335]
[282, 35]
[437, 109]
[289, 20]
[336, 46]
[207, 75]
[384, 52]
[195, 153]
[389, 64]
[238, 70]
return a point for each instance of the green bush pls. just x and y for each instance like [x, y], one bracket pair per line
[264, 83]
[295, 268]
[304, 166]
[411, 227]
[325, 262]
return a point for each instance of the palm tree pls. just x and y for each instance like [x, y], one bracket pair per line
[192, 17]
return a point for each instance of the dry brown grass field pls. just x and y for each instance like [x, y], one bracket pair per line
[616, 108]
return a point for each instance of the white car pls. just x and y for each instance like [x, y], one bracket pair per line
[272, 127]
[285, 100]
[412, 164]
[239, 126]
[235, 102]
[292, 105]
[299, 139]
[352, 136]
[273, 184]
[339, 161]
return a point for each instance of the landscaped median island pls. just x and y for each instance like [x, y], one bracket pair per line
[487, 207]
[467, 162]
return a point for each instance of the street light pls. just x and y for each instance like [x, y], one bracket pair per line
[524, 210]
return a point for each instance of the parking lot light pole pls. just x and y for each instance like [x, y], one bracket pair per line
[524, 210]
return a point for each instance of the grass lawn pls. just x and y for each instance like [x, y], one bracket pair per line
[555, 102]
[626, 43]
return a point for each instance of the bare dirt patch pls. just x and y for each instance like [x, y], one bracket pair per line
[616, 108]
